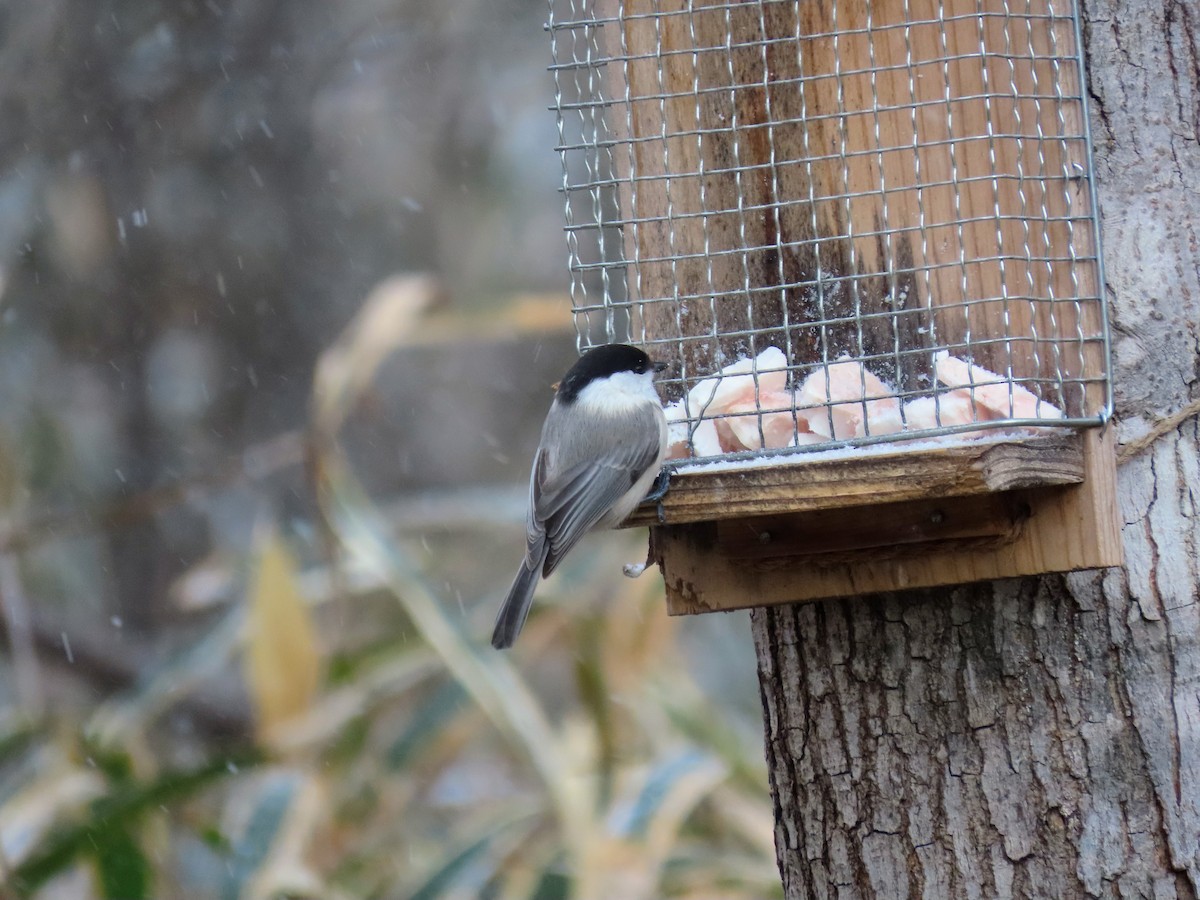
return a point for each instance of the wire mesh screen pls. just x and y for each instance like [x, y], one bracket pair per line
[845, 221]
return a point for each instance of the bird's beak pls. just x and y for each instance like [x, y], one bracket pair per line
[660, 367]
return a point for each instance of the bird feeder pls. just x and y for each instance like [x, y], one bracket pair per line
[863, 235]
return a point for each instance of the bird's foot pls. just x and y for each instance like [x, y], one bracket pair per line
[662, 484]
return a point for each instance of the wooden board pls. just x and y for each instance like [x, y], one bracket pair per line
[896, 546]
[869, 477]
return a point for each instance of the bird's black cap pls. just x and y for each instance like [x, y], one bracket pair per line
[600, 362]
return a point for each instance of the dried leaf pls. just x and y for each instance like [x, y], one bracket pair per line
[282, 661]
[387, 319]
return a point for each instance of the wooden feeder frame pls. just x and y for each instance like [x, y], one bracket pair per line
[886, 521]
[760, 158]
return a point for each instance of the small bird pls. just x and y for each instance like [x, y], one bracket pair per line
[602, 445]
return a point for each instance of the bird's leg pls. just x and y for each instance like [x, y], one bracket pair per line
[662, 484]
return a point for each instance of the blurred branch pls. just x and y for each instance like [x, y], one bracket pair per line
[20, 636]
[254, 464]
[99, 661]
[186, 680]
[461, 509]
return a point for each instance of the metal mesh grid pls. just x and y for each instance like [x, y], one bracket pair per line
[884, 209]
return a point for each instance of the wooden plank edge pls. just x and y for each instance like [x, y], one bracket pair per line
[808, 482]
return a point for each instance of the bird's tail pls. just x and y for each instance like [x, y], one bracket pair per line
[516, 606]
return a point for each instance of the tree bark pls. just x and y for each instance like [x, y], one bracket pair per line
[1036, 737]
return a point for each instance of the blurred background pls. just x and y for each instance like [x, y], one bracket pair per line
[282, 295]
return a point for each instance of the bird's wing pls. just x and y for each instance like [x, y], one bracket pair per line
[570, 498]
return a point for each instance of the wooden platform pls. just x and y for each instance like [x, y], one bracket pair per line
[886, 520]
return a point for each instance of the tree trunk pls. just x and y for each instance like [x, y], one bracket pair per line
[1036, 737]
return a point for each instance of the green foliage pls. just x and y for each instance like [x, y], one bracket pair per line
[105, 832]
[124, 871]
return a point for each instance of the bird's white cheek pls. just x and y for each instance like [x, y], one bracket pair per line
[618, 393]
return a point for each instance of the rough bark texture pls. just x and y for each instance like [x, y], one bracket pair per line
[1035, 737]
